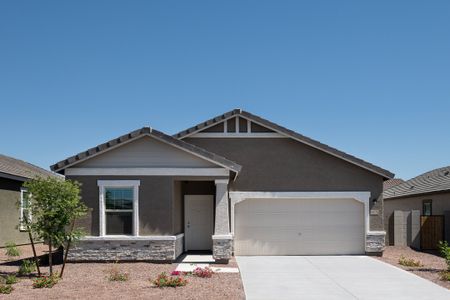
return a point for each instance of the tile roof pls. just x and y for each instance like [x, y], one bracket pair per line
[292, 134]
[433, 181]
[21, 170]
[217, 159]
[392, 182]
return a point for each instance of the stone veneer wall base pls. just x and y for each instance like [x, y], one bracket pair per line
[375, 243]
[163, 249]
[222, 248]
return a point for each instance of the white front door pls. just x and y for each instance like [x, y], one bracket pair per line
[198, 222]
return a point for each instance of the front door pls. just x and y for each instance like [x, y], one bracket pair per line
[198, 222]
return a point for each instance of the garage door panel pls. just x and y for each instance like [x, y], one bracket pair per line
[292, 219]
[290, 205]
[297, 233]
[327, 248]
[299, 227]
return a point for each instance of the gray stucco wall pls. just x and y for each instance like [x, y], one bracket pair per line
[178, 207]
[161, 209]
[10, 214]
[155, 203]
[282, 164]
[440, 204]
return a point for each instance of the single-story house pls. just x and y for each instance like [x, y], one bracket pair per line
[236, 183]
[13, 199]
[391, 183]
[429, 195]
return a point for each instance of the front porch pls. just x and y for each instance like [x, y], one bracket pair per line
[206, 218]
[199, 218]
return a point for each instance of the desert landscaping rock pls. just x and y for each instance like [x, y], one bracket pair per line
[89, 280]
[433, 264]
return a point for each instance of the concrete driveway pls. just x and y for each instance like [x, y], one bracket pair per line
[331, 277]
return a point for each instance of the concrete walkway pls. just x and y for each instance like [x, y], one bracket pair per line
[331, 277]
[190, 262]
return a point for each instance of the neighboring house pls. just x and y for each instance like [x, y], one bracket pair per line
[236, 183]
[391, 183]
[429, 194]
[13, 197]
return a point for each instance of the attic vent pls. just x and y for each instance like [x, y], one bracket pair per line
[446, 173]
[411, 187]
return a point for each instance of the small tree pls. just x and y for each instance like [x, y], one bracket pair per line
[444, 250]
[55, 206]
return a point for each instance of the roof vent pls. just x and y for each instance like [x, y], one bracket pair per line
[411, 187]
[446, 173]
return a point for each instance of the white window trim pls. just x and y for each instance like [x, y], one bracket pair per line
[147, 172]
[103, 184]
[22, 226]
[258, 135]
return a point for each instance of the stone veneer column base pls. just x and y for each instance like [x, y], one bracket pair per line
[142, 248]
[222, 248]
[375, 242]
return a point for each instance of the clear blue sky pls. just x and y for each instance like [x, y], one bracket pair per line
[371, 78]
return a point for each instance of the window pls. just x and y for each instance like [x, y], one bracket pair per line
[119, 210]
[119, 207]
[427, 208]
[25, 212]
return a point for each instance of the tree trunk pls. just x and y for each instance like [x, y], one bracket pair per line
[67, 249]
[50, 262]
[36, 260]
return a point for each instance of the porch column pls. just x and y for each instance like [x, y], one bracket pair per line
[222, 223]
[222, 239]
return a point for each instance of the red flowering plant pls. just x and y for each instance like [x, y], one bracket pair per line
[169, 281]
[205, 272]
[176, 273]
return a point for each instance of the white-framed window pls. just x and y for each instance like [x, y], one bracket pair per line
[24, 209]
[118, 206]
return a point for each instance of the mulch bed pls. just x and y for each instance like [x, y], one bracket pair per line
[89, 280]
[432, 263]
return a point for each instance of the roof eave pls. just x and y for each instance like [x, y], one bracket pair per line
[145, 131]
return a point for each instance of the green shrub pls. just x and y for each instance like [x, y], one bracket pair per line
[5, 289]
[445, 275]
[11, 279]
[116, 275]
[27, 267]
[409, 262]
[444, 249]
[169, 281]
[45, 281]
[11, 249]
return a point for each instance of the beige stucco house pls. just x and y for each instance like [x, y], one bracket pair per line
[13, 200]
[428, 193]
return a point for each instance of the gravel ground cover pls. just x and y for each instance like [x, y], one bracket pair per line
[432, 263]
[90, 280]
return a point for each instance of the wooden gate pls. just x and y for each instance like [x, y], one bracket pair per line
[431, 231]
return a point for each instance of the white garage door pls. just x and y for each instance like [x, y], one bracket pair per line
[299, 227]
